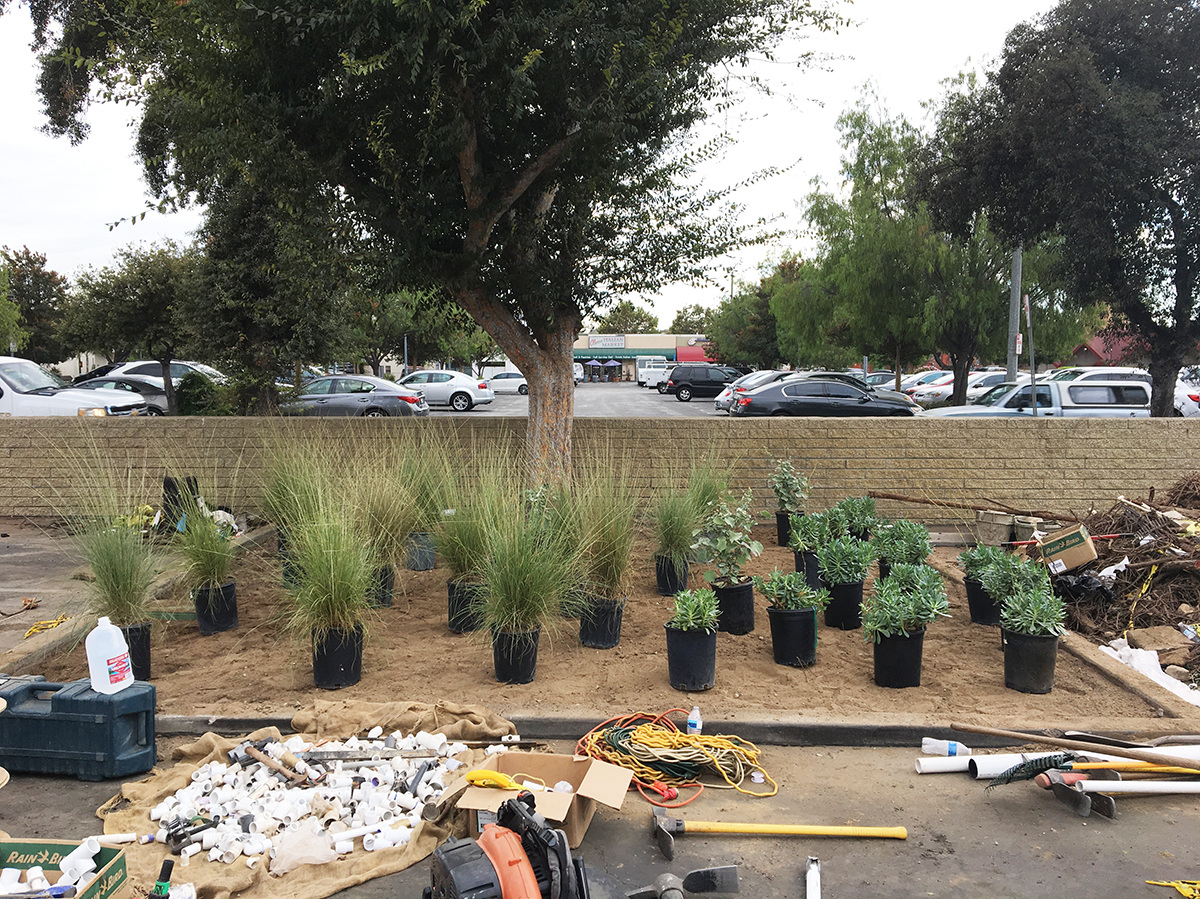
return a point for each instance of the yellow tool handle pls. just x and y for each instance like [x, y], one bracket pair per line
[812, 830]
[482, 777]
[1132, 767]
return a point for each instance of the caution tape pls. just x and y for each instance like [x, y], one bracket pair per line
[47, 625]
[1141, 593]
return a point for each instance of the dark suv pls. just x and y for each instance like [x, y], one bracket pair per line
[699, 379]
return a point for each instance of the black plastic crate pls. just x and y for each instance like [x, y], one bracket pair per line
[53, 728]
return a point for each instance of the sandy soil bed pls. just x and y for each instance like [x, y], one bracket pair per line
[411, 654]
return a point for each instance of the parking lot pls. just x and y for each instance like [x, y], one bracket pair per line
[601, 400]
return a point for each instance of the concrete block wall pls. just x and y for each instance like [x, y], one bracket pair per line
[1058, 465]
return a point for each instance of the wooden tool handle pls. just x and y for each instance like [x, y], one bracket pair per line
[1142, 755]
[813, 830]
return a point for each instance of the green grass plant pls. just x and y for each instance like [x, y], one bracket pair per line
[609, 506]
[334, 568]
[207, 549]
[123, 565]
[674, 521]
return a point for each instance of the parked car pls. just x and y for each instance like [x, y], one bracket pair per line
[443, 387]
[508, 382]
[699, 379]
[577, 371]
[150, 389]
[746, 383]
[641, 363]
[940, 391]
[1097, 373]
[909, 383]
[28, 389]
[983, 385]
[1187, 392]
[1057, 399]
[817, 396]
[143, 368]
[355, 396]
[880, 378]
[856, 381]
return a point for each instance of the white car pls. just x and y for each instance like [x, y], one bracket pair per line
[508, 382]
[1096, 373]
[940, 391]
[28, 389]
[443, 387]
[148, 368]
[1187, 392]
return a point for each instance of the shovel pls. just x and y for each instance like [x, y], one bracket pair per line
[704, 880]
[1078, 800]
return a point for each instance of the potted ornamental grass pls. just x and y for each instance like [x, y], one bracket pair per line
[808, 534]
[530, 572]
[205, 540]
[462, 542]
[901, 542]
[329, 606]
[791, 490]
[610, 507]
[1031, 622]
[692, 640]
[725, 539]
[895, 617]
[844, 562]
[385, 514]
[674, 522]
[792, 614]
[294, 477]
[426, 473]
[974, 562]
[704, 490]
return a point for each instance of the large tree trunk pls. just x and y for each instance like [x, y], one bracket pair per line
[169, 386]
[962, 370]
[1164, 369]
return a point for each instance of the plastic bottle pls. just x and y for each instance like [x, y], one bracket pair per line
[930, 746]
[695, 723]
[108, 658]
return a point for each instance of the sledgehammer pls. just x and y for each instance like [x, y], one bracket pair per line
[664, 830]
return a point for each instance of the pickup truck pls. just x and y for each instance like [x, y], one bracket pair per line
[656, 375]
[1056, 399]
[28, 389]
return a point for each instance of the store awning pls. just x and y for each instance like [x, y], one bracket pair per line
[693, 353]
[604, 354]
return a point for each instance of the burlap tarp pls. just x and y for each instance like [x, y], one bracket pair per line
[130, 811]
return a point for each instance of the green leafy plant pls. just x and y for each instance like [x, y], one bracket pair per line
[809, 532]
[902, 541]
[1009, 575]
[1035, 611]
[725, 536]
[790, 489]
[674, 524]
[977, 559]
[695, 610]
[858, 512]
[123, 567]
[845, 560]
[788, 590]
[908, 600]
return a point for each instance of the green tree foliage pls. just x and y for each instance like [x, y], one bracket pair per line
[743, 332]
[1088, 130]
[694, 319]
[525, 156]
[39, 294]
[626, 318]
[12, 335]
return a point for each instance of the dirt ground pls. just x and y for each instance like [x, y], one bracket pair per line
[411, 654]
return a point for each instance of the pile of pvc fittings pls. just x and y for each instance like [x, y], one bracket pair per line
[256, 806]
[78, 867]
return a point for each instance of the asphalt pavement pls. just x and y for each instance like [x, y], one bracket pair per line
[621, 399]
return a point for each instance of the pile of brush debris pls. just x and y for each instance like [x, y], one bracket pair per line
[1151, 575]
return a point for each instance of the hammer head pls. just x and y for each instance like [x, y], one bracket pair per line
[664, 830]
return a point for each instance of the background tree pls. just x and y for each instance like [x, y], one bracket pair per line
[811, 329]
[96, 315]
[627, 318]
[694, 319]
[743, 331]
[515, 167]
[1088, 130]
[39, 293]
[12, 336]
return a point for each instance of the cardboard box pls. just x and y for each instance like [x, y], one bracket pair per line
[109, 881]
[593, 782]
[1067, 549]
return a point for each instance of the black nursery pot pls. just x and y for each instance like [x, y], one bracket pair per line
[736, 607]
[337, 659]
[793, 636]
[783, 527]
[600, 622]
[845, 606]
[691, 659]
[383, 587]
[671, 577]
[216, 608]
[137, 638]
[514, 656]
[421, 552]
[464, 614]
[984, 609]
[898, 660]
[808, 562]
[1029, 662]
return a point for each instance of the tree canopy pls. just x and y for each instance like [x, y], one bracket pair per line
[694, 319]
[39, 294]
[627, 318]
[525, 156]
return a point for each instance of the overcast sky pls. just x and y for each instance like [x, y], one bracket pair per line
[60, 200]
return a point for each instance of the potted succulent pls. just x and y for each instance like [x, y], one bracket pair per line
[674, 523]
[692, 640]
[894, 618]
[208, 552]
[808, 534]
[1031, 621]
[329, 606]
[974, 562]
[791, 490]
[792, 614]
[844, 562]
[725, 539]
[529, 573]
[610, 507]
[858, 512]
[123, 567]
[901, 542]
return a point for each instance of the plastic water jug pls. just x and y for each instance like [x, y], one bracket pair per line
[108, 658]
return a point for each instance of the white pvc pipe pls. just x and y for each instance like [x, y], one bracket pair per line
[343, 847]
[9, 878]
[356, 832]
[985, 767]
[1139, 786]
[943, 764]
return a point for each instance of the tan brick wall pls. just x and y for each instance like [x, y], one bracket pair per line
[1061, 465]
